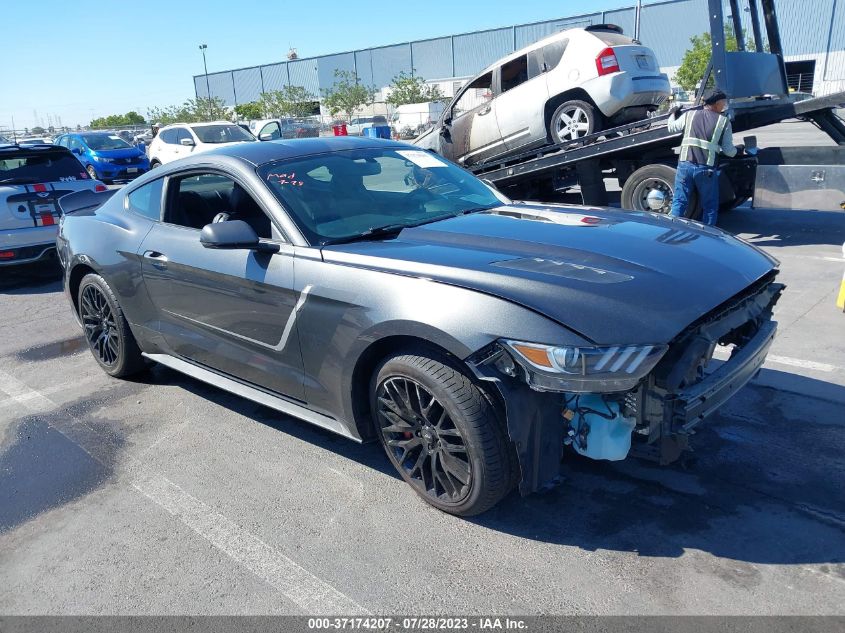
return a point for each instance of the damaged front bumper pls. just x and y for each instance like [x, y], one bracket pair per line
[663, 410]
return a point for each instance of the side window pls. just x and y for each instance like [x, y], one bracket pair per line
[182, 133]
[477, 93]
[514, 72]
[146, 200]
[272, 129]
[196, 200]
[168, 136]
[552, 54]
[75, 143]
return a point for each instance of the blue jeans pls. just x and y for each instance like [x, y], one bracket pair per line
[704, 180]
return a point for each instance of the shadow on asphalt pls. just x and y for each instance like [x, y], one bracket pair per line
[28, 279]
[765, 487]
[784, 227]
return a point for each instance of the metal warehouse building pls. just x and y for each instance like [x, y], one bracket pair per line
[812, 31]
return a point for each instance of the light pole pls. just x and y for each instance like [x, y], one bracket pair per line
[205, 67]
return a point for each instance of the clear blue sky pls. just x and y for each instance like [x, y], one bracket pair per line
[79, 60]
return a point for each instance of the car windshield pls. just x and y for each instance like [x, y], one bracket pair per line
[31, 166]
[342, 195]
[221, 133]
[99, 142]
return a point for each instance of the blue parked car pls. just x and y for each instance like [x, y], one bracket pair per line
[105, 155]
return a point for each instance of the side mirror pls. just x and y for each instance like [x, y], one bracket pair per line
[267, 136]
[233, 234]
[77, 151]
[188, 142]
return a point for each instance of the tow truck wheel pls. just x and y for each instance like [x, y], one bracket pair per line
[651, 188]
[572, 120]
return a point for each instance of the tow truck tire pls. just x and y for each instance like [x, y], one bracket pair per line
[651, 182]
[572, 120]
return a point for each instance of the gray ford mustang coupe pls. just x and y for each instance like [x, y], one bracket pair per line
[379, 291]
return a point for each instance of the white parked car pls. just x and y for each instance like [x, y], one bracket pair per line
[556, 90]
[183, 139]
[32, 181]
[412, 119]
[358, 124]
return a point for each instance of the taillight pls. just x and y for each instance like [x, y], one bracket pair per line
[100, 188]
[606, 62]
[39, 188]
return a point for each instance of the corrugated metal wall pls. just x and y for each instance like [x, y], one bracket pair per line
[474, 51]
[808, 27]
[433, 58]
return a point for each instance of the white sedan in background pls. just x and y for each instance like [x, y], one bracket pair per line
[184, 139]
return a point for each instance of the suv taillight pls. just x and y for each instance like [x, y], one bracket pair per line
[606, 62]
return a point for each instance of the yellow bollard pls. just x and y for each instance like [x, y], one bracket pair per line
[840, 301]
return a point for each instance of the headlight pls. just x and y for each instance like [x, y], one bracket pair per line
[585, 369]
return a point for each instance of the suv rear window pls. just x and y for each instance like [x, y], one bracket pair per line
[32, 166]
[613, 39]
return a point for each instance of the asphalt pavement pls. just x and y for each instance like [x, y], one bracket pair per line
[162, 495]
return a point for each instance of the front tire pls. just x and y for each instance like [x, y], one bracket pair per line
[441, 434]
[106, 329]
[155, 163]
[572, 120]
[92, 172]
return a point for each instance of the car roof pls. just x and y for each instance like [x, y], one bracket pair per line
[560, 35]
[267, 151]
[197, 124]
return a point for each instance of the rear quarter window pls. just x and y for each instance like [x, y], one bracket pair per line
[146, 200]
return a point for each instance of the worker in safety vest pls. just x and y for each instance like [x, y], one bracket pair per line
[707, 133]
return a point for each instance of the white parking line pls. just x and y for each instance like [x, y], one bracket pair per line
[724, 354]
[305, 590]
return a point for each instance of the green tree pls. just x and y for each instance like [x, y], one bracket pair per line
[118, 120]
[347, 95]
[38, 130]
[294, 101]
[696, 58]
[250, 111]
[191, 111]
[407, 89]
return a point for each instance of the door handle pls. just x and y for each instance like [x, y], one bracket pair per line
[158, 260]
[484, 111]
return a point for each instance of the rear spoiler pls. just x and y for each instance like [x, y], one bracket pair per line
[84, 200]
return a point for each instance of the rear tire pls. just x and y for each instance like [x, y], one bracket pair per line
[572, 120]
[106, 330]
[441, 433]
[651, 188]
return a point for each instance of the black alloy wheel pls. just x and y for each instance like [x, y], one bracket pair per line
[100, 326]
[423, 440]
[443, 435]
[106, 330]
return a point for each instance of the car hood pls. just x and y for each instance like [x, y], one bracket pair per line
[611, 276]
[126, 152]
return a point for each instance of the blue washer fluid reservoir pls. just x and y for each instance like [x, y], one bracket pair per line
[606, 437]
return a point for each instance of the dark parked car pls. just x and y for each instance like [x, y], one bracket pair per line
[378, 291]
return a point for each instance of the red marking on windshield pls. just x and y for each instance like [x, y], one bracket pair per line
[285, 179]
